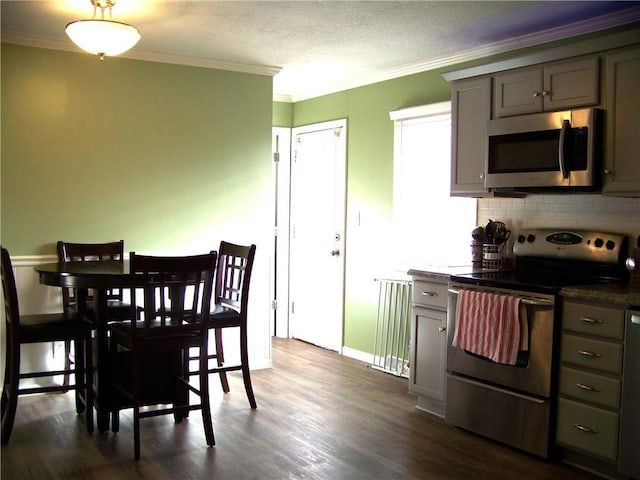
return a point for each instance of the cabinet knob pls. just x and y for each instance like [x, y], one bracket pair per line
[544, 93]
[482, 176]
[442, 329]
[606, 171]
[536, 94]
[429, 294]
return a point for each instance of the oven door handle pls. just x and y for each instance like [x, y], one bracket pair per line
[541, 302]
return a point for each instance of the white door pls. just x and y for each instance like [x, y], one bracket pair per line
[318, 191]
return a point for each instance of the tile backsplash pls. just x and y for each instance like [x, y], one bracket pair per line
[588, 212]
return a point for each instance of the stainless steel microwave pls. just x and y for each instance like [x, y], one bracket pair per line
[545, 151]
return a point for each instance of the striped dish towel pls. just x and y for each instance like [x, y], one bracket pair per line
[491, 325]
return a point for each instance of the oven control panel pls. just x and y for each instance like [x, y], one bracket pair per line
[586, 245]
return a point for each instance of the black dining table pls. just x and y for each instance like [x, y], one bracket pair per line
[99, 277]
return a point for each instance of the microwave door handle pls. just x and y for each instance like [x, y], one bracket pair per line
[564, 131]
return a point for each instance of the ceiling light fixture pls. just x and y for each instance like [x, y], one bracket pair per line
[102, 37]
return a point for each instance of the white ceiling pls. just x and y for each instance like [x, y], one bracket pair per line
[319, 47]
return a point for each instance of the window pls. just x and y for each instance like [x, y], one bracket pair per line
[430, 226]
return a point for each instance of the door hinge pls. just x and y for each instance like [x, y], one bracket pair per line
[293, 307]
[274, 304]
[276, 156]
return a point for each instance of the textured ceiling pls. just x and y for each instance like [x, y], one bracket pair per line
[318, 47]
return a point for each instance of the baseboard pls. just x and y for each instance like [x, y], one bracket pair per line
[357, 354]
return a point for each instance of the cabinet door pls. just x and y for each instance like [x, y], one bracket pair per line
[554, 87]
[571, 84]
[517, 92]
[471, 109]
[622, 141]
[428, 364]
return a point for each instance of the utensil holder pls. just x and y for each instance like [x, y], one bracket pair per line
[492, 255]
[476, 253]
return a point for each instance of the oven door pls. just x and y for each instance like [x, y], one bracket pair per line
[532, 373]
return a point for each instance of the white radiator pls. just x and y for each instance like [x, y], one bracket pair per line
[393, 327]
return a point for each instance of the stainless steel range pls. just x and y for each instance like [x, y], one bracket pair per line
[514, 402]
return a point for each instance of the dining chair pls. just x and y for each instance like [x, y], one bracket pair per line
[117, 308]
[42, 328]
[175, 294]
[231, 296]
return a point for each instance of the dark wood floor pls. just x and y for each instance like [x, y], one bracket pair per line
[319, 416]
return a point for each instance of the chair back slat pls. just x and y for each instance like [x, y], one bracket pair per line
[89, 252]
[176, 293]
[233, 275]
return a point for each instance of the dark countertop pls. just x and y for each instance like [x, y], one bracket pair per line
[441, 272]
[614, 293]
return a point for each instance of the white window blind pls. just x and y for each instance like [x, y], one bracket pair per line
[429, 226]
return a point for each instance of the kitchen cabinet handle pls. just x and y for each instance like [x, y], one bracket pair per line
[591, 320]
[587, 353]
[442, 329]
[482, 176]
[588, 388]
[536, 94]
[582, 428]
[535, 301]
[429, 294]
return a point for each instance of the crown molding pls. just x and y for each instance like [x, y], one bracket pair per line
[137, 54]
[277, 97]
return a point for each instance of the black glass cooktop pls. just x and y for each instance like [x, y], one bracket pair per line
[543, 277]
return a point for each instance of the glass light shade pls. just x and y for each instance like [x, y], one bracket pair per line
[103, 37]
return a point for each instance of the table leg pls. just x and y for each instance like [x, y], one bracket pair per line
[103, 376]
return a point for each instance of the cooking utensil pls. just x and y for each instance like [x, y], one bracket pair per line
[489, 231]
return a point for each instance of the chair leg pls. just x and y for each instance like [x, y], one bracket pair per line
[246, 374]
[115, 393]
[204, 401]
[220, 357]
[67, 362]
[135, 387]
[88, 384]
[80, 374]
[10, 390]
[182, 392]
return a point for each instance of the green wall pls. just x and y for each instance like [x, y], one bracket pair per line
[369, 184]
[166, 157]
[282, 114]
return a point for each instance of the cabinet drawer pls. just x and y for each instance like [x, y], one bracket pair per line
[590, 387]
[593, 354]
[593, 320]
[587, 428]
[428, 294]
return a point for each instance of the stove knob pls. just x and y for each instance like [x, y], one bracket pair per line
[531, 238]
[598, 243]
[521, 239]
[610, 244]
